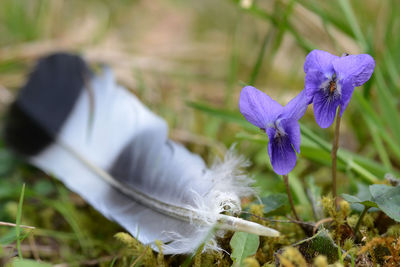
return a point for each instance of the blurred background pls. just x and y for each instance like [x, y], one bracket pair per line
[188, 60]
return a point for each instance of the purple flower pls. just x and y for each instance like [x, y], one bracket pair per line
[330, 81]
[280, 124]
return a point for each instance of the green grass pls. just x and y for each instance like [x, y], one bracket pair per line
[18, 222]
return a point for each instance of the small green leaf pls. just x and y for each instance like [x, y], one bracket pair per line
[353, 199]
[384, 197]
[371, 204]
[388, 199]
[275, 204]
[363, 192]
[363, 198]
[243, 245]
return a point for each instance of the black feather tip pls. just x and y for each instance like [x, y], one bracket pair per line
[45, 102]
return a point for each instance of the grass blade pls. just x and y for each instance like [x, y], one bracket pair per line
[272, 40]
[388, 107]
[18, 221]
[370, 114]
[258, 12]
[380, 148]
[257, 65]
[351, 19]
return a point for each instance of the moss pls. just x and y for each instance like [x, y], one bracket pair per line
[350, 247]
[208, 259]
[344, 208]
[348, 244]
[352, 220]
[258, 210]
[135, 248]
[321, 261]
[149, 259]
[251, 262]
[368, 221]
[328, 206]
[270, 245]
[160, 256]
[197, 260]
[394, 231]
[128, 240]
[292, 257]
[339, 227]
[222, 260]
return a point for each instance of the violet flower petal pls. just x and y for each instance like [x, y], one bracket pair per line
[347, 91]
[325, 106]
[281, 153]
[313, 82]
[296, 108]
[292, 129]
[357, 68]
[321, 61]
[257, 107]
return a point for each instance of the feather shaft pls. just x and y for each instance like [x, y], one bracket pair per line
[223, 221]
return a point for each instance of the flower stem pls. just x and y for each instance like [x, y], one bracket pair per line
[357, 228]
[335, 146]
[286, 180]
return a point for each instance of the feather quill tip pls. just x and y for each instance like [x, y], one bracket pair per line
[236, 224]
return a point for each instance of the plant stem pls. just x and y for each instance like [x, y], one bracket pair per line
[286, 180]
[335, 146]
[357, 228]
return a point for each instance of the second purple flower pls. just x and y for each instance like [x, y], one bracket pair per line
[330, 81]
[280, 123]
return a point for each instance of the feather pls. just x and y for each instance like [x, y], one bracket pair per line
[105, 145]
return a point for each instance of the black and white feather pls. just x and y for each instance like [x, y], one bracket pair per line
[105, 145]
